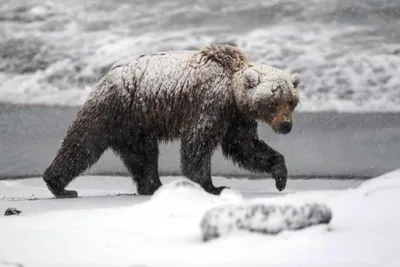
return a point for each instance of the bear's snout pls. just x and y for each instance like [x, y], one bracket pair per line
[285, 127]
[282, 120]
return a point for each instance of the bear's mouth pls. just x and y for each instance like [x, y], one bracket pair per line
[283, 127]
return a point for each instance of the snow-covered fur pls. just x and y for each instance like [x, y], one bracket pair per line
[262, 218]
[205, 98]
[266, 93]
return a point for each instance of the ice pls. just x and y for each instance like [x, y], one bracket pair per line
[103, 229]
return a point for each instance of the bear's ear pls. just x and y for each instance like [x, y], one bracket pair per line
[252, 78]
[295, 80]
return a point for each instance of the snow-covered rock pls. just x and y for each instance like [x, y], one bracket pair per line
[262, 218]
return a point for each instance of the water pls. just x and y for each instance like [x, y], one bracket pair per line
[347, 52]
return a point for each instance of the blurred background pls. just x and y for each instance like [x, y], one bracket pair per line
[347, 53]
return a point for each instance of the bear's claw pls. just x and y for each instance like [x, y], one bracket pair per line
[279, 173]
[58, 190]
[148, 189]
[215, 190]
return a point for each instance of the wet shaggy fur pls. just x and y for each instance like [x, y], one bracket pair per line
[206, 98]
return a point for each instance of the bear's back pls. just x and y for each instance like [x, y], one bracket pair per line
[164, 72]
[170, 88]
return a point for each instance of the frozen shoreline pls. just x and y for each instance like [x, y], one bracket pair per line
[326, 144]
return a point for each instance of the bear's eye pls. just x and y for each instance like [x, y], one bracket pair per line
[292, 103]
[273, 108]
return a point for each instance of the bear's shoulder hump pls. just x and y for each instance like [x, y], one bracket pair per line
[229, 57]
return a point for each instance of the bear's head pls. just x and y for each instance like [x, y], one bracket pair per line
[267, 94]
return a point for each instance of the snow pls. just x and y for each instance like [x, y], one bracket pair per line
[110, 226]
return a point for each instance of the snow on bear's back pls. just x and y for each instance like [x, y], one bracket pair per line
[168, 76]
[172, 90]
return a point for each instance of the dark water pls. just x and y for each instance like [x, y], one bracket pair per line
[330, 145]
[348, 52]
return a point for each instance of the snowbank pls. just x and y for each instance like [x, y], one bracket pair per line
[165, 230]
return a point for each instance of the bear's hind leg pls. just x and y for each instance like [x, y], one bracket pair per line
[140, 157]
[82, 147]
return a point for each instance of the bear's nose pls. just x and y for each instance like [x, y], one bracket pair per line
[285, 127]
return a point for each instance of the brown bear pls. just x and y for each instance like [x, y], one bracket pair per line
[206, 98]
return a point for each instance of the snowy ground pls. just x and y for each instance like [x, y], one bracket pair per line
[109, 226]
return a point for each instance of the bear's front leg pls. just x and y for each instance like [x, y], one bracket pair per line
[197, 148]
[242, 146]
